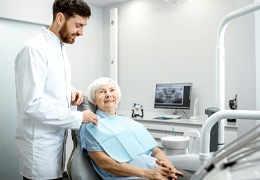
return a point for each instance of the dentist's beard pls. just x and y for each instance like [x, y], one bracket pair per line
[65, 35]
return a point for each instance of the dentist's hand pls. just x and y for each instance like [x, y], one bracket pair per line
[76, 97]
[89, 117]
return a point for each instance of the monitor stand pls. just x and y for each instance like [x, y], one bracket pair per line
[175, 115]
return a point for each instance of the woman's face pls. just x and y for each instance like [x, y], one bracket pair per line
[107, 98]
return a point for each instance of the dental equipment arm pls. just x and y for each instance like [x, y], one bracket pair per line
[205, 138]
[239, 155]
[207, 163]
[220, 61]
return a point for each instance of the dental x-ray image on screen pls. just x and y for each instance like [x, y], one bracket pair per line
[173, 96]
[170, 95]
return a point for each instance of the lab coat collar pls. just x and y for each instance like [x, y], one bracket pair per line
[52, 36]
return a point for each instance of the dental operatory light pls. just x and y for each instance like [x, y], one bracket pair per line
[177, 1]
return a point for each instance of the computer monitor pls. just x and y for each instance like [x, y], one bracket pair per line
[173, 96]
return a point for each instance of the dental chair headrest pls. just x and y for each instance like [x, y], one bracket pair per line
[86, 105]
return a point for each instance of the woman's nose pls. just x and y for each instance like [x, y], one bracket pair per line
[108, 94]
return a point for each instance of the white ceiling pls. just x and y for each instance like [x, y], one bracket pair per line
[103, 3]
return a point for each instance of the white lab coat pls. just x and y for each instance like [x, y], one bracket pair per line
[43, 94]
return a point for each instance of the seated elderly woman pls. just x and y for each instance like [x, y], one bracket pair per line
[119, 147]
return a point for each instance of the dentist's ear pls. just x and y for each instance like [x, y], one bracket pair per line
[60, 18]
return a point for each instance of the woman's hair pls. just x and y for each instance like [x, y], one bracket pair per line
[71, 8]
[95, 85]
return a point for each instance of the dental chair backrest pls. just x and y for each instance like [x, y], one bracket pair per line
[79, 166]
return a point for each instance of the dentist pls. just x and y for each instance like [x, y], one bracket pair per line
[44, 93]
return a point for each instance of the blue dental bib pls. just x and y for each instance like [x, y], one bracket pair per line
[122, 138]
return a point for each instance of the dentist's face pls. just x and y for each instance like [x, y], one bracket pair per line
[72, 28]
[107, 98]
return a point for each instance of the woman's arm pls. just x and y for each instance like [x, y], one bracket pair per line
[108, 164]
[164, 161]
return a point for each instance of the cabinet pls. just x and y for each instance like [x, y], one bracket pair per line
[162, 128]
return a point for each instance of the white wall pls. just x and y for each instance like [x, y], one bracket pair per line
[39, 12]
[162, 42]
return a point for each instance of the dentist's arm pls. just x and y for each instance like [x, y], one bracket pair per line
[89, 117]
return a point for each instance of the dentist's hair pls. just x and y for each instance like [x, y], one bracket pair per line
[95, 85]
[70, 8]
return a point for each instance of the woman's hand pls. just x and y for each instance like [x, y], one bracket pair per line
[163, 161]
[170, 166]
[160, 173]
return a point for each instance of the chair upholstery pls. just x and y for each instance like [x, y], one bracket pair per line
[79, 166]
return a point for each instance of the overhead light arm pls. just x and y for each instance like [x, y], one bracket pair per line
[220, 61]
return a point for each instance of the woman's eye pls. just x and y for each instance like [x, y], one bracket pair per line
[101, 92]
